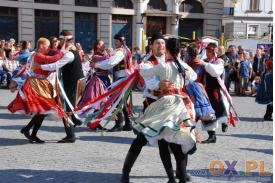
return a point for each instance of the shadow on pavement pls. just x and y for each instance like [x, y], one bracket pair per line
[3, 107]
[110, 139]
[13, 142]
[266, 151]
[250, 136]
[53, 176]
[251, 119]
[54, 129]
[13, 116]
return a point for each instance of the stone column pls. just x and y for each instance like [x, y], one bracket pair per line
[139, 23]
[175, 19]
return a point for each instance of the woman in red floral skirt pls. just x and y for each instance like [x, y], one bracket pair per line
[37, 96]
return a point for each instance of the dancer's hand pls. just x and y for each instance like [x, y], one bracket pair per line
[13, 86]
[165, 85]
[114, 117]
[200, 62]
[92, 64]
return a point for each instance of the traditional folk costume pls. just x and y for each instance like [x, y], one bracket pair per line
[140, 140]
[37, 95]
[166, 122]
[71, 72]
[218, 96]
[96, 85]
[162, 119]
[121, 64]
[197, 93]
[37, 98]
[214, 69]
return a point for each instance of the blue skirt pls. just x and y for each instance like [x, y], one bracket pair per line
[203, 108]
[265, 92]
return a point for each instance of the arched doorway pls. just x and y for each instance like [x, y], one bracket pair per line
[191, 6]
[157, 5]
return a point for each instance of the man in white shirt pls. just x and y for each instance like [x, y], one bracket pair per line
[121, 64]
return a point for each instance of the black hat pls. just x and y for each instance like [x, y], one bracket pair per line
[156, 36]
[211, 46]
[119, 37]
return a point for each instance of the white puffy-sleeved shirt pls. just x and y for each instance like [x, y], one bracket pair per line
[111, 62]
[168, 71]
[215, 69]
[67, 58]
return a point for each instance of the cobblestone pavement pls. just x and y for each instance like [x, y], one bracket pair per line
[98, 159]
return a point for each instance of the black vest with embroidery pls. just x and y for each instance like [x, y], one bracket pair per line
[72, 72]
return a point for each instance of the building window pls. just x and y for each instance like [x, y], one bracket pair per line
[228, 11]
[254, 5]
[157, 5]
[91, 3]
[253, 30]
[127, 4]
[8, 23]
[122, 24]
[47, 1]
[86, 29]
[191, 6]
[46, 23]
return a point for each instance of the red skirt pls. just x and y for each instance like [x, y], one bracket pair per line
[36, 97]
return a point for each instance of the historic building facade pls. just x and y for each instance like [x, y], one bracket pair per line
[248, 18]
[101, 19]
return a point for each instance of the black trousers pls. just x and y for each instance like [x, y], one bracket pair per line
[181, 159]
[69, 129]
[137, 144]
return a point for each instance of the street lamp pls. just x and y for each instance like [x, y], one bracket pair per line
[270, 27]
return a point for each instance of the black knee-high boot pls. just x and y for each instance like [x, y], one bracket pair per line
[211, 138]
[181, 164]
[166, 160]
[118, 125]
[70, 135]
[128, 164]
[268, 113]
[36, 127]
[127, 125]
[181, 159]
[26, 130]
[188, 176]
[131, 157]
